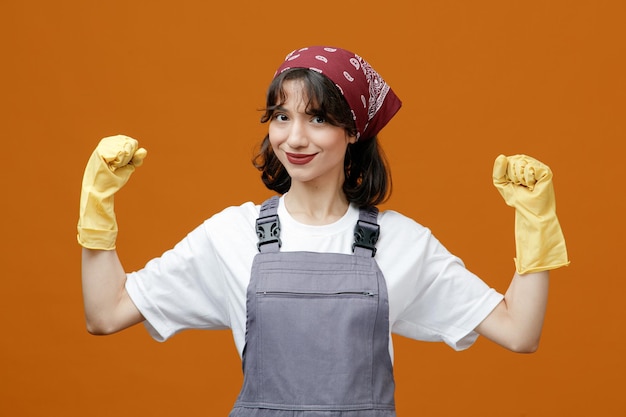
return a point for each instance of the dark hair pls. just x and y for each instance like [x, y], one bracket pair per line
[368, 179]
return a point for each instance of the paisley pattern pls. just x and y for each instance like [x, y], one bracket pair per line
[370, 98]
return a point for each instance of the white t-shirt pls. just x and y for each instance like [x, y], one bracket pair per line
[201, 283]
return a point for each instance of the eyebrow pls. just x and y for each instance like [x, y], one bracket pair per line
[313, 111]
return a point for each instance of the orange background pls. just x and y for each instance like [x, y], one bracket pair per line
[187, 78]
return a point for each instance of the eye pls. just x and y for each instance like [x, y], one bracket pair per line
[318, 119]
[281, 117]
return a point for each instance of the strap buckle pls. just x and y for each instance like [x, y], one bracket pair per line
[268, 231]
[366, 235]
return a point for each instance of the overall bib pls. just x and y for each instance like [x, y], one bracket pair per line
[317, 331]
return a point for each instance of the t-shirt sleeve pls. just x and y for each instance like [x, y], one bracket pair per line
[436, 297]
[182, 289]
[191, 286]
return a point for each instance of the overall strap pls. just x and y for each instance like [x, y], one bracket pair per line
[366, 232]
[268, 226]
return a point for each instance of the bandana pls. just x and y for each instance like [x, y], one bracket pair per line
[370, 98]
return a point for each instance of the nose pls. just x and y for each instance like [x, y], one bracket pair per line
[297, 135]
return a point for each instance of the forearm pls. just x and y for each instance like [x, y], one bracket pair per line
[108, 307]
[526, 184]
[517, 322]
[526, 300]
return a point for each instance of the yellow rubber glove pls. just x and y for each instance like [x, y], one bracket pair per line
[526, 185]
[108, 169]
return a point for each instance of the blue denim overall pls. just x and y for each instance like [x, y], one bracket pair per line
[317, 331]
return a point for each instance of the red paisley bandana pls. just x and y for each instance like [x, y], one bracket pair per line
[372, 101]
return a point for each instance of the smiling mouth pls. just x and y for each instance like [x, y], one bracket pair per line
[299, 159]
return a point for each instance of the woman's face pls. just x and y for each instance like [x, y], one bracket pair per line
[310, 148]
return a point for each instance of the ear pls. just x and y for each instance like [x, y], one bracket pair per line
[351, 139]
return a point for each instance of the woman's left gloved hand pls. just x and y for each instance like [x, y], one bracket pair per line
[526, 184]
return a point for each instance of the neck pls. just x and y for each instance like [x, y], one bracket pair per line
[315, 206]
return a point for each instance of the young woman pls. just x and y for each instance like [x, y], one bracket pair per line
[313, 281]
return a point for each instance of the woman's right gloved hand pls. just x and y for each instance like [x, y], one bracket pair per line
[108, 169]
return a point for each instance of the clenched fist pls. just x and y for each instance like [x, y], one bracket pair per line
[526, 184]
[107, 171]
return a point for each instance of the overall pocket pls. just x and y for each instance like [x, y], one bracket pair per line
[315, 347]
